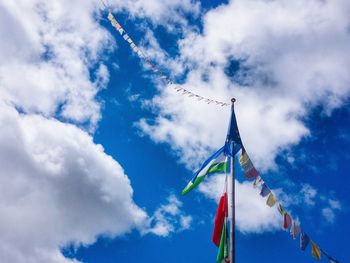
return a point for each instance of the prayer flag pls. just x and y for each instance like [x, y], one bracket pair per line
[223, 247]
[233, 140]
[295, 230]
[271, 200]
[304, 240]
[281, 209]
[258, 181]
[287, 221]
[315, 250]
[251, 173]
[217, 163]
[220, 216]
[264, 190]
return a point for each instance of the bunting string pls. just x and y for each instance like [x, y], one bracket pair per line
[161, 75]
[288, 222]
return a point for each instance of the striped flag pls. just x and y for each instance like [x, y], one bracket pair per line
[217, 163]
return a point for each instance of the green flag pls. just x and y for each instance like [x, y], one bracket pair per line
[223, 248]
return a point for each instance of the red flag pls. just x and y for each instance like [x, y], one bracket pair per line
[221, 213]
[287, 221]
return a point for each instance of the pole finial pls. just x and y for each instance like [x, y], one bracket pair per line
[233, 100]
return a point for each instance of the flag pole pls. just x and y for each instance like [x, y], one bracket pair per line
[233, 201]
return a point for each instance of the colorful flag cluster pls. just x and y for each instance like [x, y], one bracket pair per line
[154, 67]
[218, 163]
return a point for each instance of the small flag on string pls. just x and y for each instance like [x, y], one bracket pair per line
[247, 165]
[217, 163]
[281, 209]
[264, 190]
[271, 200]
[304, 240]
[287, 221]
[295, 230]
[220, 216]
[258, 181]
[315, 250]
[223, 247]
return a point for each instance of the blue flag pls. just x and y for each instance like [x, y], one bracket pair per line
[304, 241]
[233, 140]
[265, 191]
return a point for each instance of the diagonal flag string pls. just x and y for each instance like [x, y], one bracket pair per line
[161, 75]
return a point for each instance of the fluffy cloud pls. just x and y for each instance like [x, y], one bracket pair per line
[166, 12]
[168, 218]
[252, 213]
[278, 67]
[57, 186]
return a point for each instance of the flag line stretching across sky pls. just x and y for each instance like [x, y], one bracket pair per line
[218, 163]
[155, 69]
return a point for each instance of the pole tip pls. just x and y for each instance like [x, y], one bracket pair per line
[233, 100]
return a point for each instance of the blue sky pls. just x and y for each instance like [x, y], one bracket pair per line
[96, 151]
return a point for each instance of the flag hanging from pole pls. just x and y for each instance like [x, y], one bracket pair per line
[220, 217]
[217, 163]
[223, 247]
[233, 141]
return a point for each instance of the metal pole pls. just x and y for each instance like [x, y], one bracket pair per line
[232, 206]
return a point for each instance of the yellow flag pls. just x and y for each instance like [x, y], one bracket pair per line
[271, 200]
[315, 251]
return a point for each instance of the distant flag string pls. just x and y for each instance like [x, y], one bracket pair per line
[215, 164]
[161, 75]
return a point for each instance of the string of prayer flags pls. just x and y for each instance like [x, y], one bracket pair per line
[287, 221]
[265, 191]
[315, 250]
[304, 240]
[295, 230]
[154, 68]
[220, 217]
[271, 200]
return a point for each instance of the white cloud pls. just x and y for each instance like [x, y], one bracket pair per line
[287, 63]
[309, 193]
[329, 212]
[57, 187]
[252, 213]
[168, 218]
[165, 12]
